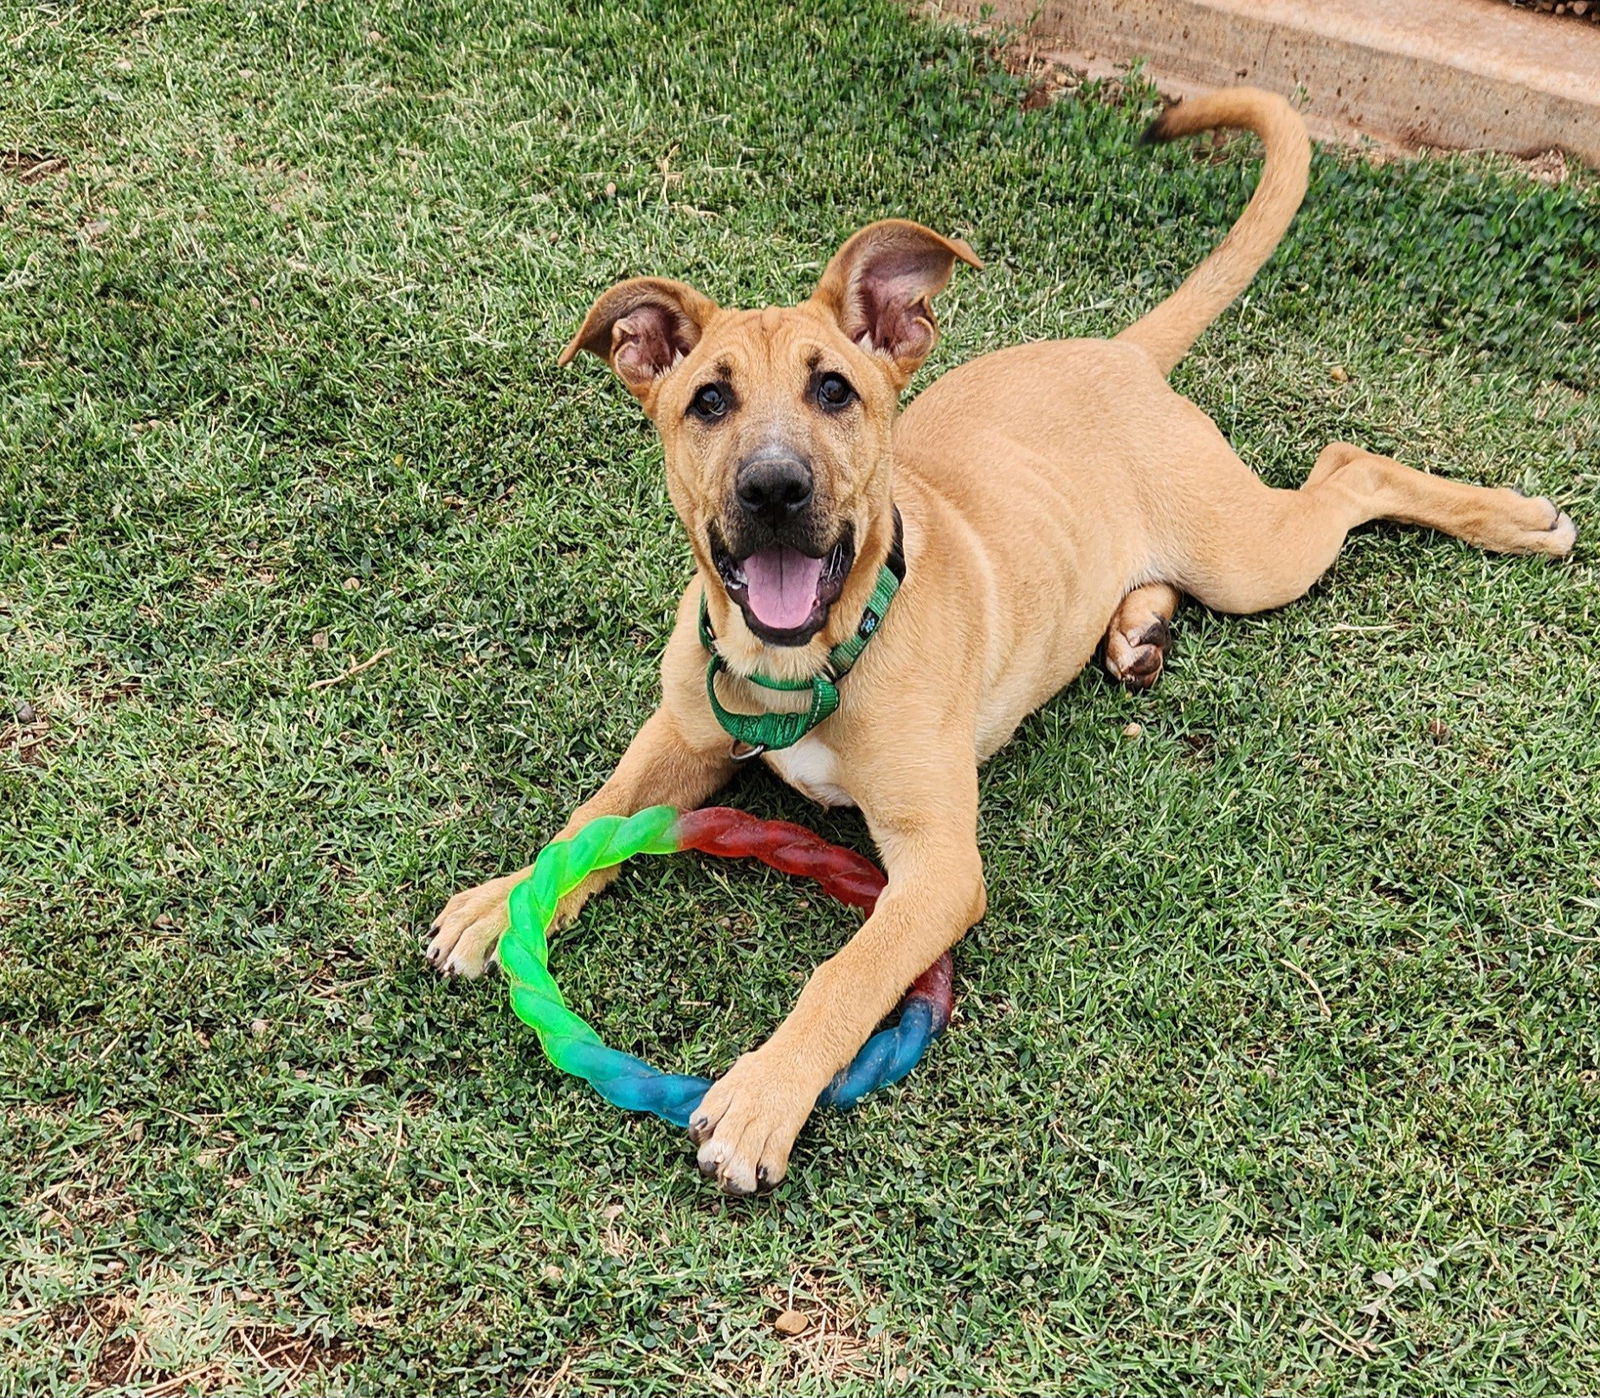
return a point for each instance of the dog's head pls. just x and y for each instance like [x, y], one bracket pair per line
[777, 424]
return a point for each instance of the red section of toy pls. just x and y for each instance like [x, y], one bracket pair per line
[792, 849]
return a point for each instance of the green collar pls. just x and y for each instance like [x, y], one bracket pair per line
[768, 732]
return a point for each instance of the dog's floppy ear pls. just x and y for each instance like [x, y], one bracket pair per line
[642, 328]
[880, 288]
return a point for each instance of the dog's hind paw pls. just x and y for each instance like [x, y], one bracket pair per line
[1563, 535]
[1137, 660]
[1527, 524]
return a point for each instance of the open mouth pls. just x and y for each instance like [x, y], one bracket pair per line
[784, 594]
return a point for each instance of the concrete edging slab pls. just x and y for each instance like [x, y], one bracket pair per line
[1460, 74]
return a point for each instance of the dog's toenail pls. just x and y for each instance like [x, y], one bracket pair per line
[708, 1168]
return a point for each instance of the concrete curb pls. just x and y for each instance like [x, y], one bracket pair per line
[1460, 74]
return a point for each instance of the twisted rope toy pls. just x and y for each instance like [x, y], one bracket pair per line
[572, 1046]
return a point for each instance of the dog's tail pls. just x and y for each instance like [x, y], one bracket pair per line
[1167, 332]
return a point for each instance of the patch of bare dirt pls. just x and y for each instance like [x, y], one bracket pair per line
[128, 1338]
[1050, 75]
[23, 733]
[825, 1331]
[29, 167]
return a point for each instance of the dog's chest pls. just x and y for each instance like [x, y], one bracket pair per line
[811, 768]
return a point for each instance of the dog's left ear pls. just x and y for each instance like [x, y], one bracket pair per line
[880, 288]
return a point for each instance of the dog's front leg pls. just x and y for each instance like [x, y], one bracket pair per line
[662, 767]
[926, 832]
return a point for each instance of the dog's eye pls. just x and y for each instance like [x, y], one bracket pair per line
[834, 392]
[710, 403]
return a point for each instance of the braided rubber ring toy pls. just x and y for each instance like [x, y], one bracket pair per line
[572, 1046]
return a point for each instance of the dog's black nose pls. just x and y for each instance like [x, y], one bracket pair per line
[773, 486]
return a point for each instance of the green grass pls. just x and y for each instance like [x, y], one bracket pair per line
[1276, 1063]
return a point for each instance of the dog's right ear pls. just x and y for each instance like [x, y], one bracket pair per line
[642, 328]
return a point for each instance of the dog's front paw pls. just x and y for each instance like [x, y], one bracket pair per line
[466, 932]
[747, 1125]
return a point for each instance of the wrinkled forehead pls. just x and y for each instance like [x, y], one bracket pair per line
[777, 346]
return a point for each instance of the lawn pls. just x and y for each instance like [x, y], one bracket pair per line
[1276, 1063]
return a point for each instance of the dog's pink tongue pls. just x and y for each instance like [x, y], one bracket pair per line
[781, 586]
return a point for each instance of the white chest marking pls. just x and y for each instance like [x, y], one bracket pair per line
[811, 768]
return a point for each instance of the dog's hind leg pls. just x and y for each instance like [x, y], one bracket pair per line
[1140, 635]
[1250, 548]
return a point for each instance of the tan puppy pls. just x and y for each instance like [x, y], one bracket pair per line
[1052, 494]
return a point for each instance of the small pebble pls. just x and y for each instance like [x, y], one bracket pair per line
[790, 1323]
[1339, 374]
[352, 585]
[25, 712]
[259, 1027]
[1133, 730]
